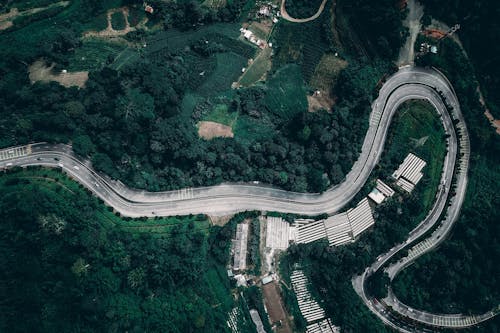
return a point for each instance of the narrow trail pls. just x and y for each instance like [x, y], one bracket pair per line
[287, 17]
[412, 22]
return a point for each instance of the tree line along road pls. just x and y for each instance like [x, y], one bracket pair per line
[406, 84]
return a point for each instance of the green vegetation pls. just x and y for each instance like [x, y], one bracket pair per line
[303, 44]
[136, 117]
[227, 70]
[420, 131]
[66, 266]
[330, 269]
[220, 114]
[371, 29]
[302, 8]
[254, 247]
[117, 21]
[478, 34]
[94, 54]
[326, 73]
[286, 96]
[470, 282]
[258, 69]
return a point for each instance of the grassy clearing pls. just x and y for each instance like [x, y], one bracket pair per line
[40, 71]
[286, 96]
[220, 114]
[226, 72]
[258, 69]
[95, 54]
[326, 73]
[219, 285]
[125, 57]
[418, 130]
[118, 20]
[58, 184]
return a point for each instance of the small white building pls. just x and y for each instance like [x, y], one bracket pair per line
[381, 192]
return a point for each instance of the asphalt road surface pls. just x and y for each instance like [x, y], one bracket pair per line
[408, 83]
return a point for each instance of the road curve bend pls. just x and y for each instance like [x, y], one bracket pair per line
[445, 210]
[408, 83]
[287, 17]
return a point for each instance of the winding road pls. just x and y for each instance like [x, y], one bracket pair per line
[407, 84]
[287, 17]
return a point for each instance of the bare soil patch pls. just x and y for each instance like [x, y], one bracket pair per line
[40, 71]
[209, 130]
[320, 101]
[220, 220]
[274, 306]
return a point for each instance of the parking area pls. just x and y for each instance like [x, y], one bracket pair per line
[9, 153]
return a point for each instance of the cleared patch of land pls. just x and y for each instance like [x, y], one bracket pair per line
[323, 80]
[274, 306]
[318, 102]
[326, 73]
[40, 71]
[209, 130]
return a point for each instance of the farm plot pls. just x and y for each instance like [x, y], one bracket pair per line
[326, 73]
[304, 44]
[125, 57]
[118, 21]
[95, 54]
[221, 114]
[257, 69]
[227, 71]
[174, 40]
[286, 94]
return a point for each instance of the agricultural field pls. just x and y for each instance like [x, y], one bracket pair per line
[420, 131]
[258, 68]
[286, 93]
[303, 44]
[94, 54]
[227, 70]
[326, 73]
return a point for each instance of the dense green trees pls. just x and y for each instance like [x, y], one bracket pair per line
[478, 33]
[65, 268]
[470, 283]
[378, 25]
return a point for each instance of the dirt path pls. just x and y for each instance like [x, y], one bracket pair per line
[7, 20]
[109, 31]
[287, 17]
[412, 22]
